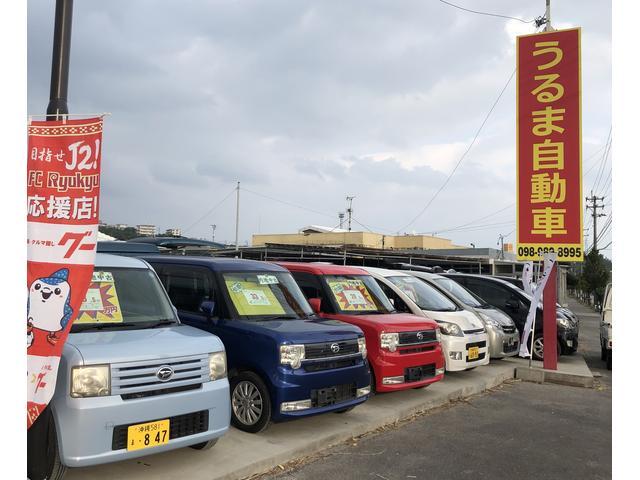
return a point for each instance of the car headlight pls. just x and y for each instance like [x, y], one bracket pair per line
[91, 381]
[217, 365]
[563, 322]
[488, 320]
[389, 341]
[450, 329]
[292, 355]
[362, 347]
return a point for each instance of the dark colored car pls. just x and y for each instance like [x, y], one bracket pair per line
[284, 361]
[518, 283]
[515, 302]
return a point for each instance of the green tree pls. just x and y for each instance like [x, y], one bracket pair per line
[119, 233]
[596, 273]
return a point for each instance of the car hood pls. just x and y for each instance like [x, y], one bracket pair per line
[115, 346]
[314, 330]
[401, 322]
[502, 318]
[463, 318]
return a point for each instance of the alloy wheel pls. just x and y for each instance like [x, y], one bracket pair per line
[538, 347]
[246, 402]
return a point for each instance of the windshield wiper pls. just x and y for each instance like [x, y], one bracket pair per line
[161, 323]
[100, 326]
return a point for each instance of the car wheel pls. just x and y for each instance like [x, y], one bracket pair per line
[250, 403]
[205, 445]
[55, 469]
[538, 347]
[345, 410]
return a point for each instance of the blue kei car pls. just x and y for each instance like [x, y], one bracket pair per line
[284, 362]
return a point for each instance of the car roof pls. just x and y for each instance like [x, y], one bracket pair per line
[323, 268]
[217, 264]
[482, 277]
[105, 260]
[384, 272]
[425, 275]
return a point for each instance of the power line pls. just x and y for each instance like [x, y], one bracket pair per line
[288, 203]
[435, 195]
[602, 162]
[452, 229]
[487, 13]
[209, 212]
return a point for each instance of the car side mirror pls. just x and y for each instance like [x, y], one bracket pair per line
[512, 305]
[208, 307]
[316, 305]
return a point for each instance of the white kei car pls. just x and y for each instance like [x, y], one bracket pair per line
[464, 338]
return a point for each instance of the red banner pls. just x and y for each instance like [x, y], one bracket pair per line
[63, 190]
[549, 146]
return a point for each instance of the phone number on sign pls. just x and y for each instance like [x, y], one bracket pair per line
[561, 252]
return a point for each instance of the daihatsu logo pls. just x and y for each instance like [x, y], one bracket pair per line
[335, 348]
[164, 374]
[420, 335]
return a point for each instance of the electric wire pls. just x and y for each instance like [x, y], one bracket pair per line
[487, 13]
[486, 118]
[284, 202]
[453, 229]
[602, 162]
[209, 212]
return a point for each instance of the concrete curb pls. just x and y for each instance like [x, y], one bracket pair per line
[572, 371]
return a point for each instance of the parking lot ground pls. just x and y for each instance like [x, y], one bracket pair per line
[517, 430]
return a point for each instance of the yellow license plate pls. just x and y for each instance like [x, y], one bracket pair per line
[474, 352]
[145, 435]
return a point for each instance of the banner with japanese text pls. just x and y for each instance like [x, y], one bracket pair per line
[63, 190]
[549, 146]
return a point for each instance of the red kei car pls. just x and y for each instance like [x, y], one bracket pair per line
[404, 350]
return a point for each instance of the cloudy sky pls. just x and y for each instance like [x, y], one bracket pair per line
[306, 102]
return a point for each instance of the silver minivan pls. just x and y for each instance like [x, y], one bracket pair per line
[133, 380]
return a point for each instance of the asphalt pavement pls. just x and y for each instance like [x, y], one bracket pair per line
[517, 430]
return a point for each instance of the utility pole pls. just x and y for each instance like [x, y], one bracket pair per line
[237, 213]
[547, 16]
[213, 232]
[501, 243]
[349, 211]
[60, 61]
[594, 213]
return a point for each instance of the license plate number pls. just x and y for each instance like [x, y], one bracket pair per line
[474, 352]
[146, 435]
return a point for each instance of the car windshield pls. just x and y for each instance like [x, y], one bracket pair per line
[424, 295]
[123, 297]
[354, 294]
[459, 292]
[266, 296]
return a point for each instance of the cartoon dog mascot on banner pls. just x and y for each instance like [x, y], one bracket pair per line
[48, 307]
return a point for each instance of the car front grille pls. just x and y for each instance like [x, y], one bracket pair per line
[508, 348]
[330, 349]
[417, 337]
[323, 397]
[481, 344]
[179, 426]
[133, 378]
[508, 328]
[409, 350]
[416, 374]
[329, 364]
[474, 331]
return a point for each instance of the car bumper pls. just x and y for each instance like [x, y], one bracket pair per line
[568, 340]
[85, 426]
[299, 385]
[407, 369]
[456, 351]
[502, 344]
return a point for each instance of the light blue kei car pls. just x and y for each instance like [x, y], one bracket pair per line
[132, 379]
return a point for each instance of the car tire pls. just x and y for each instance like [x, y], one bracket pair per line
[205, 445]
[373, 384]
[609, 359]
[55, 469]
[538, 347]
[250, 403]
[603, 354]
[345, 410]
